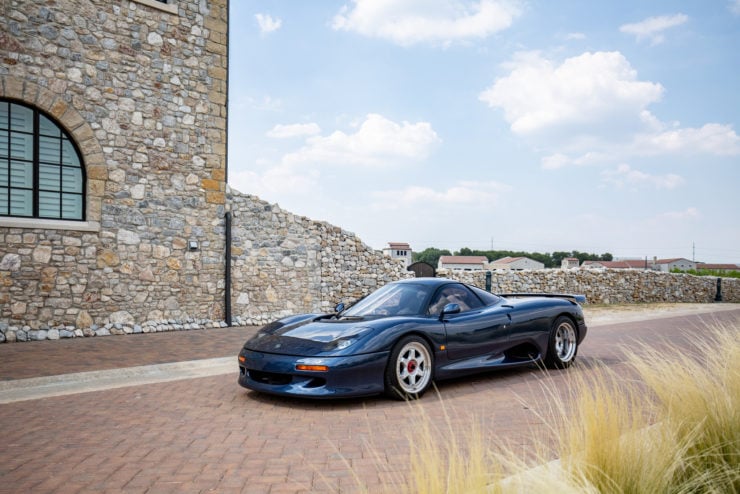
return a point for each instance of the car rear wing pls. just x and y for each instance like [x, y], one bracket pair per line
[576, 299]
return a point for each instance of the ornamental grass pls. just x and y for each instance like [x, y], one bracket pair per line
[674, 428]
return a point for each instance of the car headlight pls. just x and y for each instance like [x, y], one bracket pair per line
[343, 343]
[348, 339]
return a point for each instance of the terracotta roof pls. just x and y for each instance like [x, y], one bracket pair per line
[463, 259]
[668, 261]
[399, 245]
[704, 265]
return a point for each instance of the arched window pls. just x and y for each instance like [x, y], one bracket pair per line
[41, 173]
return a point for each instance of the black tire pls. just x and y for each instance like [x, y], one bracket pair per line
[563, 344]
[410, 369]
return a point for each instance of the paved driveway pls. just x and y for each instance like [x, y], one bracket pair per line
[206, 434]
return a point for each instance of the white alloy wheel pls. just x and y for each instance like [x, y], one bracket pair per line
[409, 373]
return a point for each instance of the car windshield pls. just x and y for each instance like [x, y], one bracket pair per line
[391, 300]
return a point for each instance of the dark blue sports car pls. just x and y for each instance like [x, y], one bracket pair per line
[401, 337]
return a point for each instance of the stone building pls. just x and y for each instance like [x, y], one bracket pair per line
[400, 250]
[114, 203]
[135, 92]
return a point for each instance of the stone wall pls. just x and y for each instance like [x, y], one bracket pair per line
[141, 89]
[284, 264]
[609, 286]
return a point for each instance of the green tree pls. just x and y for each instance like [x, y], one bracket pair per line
[554, 260]
[430, 255]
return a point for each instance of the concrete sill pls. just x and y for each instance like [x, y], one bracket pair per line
[170, 8]
[37, 223]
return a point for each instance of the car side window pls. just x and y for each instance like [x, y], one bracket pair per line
[454, 294]
[486, 297]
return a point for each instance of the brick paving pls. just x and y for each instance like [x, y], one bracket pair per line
[210, 435]
[50, 358]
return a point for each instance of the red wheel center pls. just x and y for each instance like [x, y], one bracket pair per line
[411, 366]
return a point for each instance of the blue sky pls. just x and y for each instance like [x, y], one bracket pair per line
[515, 125]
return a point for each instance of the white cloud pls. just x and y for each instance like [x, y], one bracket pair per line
[575, 36]
[653, 27]
[687, 214]
[734, 7]
[293, 130]
[265, 103]
[592, 110]
[275, 182]
[592, 87]
[407, 22]
[462, 193]
[626, 175]
[267, 23]
[712, 138]
[560, 160]
[377, 142]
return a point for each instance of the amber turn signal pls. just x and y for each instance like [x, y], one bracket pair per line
[242, 358]
[315, 368]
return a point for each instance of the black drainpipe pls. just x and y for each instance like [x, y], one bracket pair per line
[227, 283]
[227, 215]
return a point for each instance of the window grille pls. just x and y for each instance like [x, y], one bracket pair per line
[41, 172]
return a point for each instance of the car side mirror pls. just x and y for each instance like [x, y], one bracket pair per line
[339, 307]
[449, 309]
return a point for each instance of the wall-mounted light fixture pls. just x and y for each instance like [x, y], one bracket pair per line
[192, 245]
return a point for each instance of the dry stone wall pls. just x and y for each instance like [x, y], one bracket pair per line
[284, 264]
[610, 286]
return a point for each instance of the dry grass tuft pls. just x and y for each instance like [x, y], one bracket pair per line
[675, 429]
[698, 397]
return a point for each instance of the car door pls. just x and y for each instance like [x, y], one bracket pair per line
[475, 331]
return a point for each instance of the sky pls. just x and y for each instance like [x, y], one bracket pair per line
[537, 126]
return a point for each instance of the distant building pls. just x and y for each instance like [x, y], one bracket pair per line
[398, 250]
[718, 267]
[667, 265]
[569, 263]
[467, 263]
[664, 265]
[629, 264]
[515, 264]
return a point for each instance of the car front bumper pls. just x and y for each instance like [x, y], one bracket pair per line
[357, 375]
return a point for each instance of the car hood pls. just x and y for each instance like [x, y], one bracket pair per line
[307, 337]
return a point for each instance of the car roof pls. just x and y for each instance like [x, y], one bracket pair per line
[427, 281]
